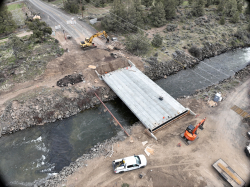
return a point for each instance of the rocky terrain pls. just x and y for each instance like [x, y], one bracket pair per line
[46, 105]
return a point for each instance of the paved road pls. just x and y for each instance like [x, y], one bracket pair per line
[77, 30]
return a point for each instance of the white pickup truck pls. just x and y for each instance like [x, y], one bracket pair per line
[129, 163]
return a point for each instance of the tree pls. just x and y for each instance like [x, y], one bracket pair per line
[138, 44]
[221, 5]
[222, 20]
[235, 18]
[198, 8]
[208, 3]
[170, 7]
[40, 29]
[248, 28]
[124, 18]
[72, 6]
[190, 2]
[157, 40]
[158, 15]
[179, 2]
[7, 24]
[230, 7]
[147, 3]
[240, 4]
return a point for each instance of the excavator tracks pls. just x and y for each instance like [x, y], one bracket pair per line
[241, 112]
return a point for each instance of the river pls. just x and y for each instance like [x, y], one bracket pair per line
[37, 152]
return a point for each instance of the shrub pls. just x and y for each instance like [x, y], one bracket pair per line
[190, 2]
[7, 24]
[222, 20]
[71, 6]
[235, 18]
[137, 44]
[248, 28]
[157, 40]
[198, 8]
[195, 51]
[40, 29]
[170, 8]
[158, 15]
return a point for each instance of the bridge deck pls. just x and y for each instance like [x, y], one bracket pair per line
[141, 95]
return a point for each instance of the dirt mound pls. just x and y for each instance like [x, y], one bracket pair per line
[70, 79]
[112, 65]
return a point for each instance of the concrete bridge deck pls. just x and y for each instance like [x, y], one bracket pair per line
[153, 106]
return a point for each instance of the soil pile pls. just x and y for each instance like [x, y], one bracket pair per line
[70, 79]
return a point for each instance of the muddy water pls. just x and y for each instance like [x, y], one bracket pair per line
[40, 151]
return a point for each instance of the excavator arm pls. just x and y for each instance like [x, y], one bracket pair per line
[99, 34]
[200, 124]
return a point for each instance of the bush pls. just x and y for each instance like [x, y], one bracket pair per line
[170, 8]
[190, 2]
[137, 44]
[248, 28]
[71, 6]
[195, 51]
[158, 15]
[235, 18]
[222, 20]
[198, 8]
[157, 40]
[7, 24]
[179, 2]
[40, 29]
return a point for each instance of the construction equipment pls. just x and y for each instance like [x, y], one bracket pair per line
[87, 44]
[190, 134]
[247, 150]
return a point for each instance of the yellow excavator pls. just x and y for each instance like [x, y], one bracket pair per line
[87, 44]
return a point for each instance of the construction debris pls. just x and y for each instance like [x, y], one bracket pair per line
[92, 67]
[217, 97]
[212, 103]
[149, 150]
[36, 17]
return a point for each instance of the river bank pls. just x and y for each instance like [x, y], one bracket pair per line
[226, 87]
[47, 103]
[44, 105]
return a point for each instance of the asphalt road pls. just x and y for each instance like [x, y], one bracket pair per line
[78, 30]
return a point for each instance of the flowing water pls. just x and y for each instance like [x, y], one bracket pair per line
[38, 152]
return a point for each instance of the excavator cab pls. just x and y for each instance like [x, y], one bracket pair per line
[87, 40]
[190, 128]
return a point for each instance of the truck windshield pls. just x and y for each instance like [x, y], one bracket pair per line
[138, 161]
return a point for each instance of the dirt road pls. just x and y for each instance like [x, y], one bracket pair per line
[223, 137]
[74, 61]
